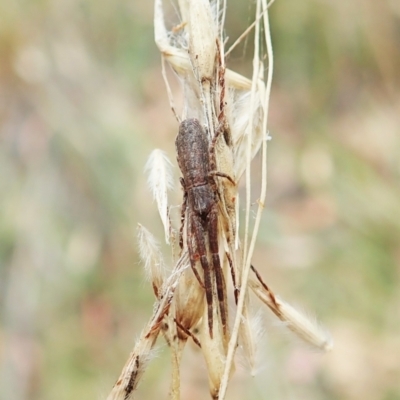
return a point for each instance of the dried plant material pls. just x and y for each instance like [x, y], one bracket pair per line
[250, 335]
[247, 120]
[202, 52]
[214, 351]
[134, 368]
[248, 249]
[189, 298]
[305, 328]
[202, 36]
[227, 188]
[138, 359]
[151, 258]
[160, 181]
[176, 345]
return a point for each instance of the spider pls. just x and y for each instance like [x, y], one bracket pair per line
[196, 162]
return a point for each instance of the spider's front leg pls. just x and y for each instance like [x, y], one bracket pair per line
[213, 172]
[219, 276]
[196, 227]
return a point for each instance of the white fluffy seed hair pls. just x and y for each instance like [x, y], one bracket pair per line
[160, 180]
[151, 256]
[251, 336]
[239, 118]
[305, 327]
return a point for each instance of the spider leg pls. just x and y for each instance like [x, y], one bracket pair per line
[219, 276]
[213, 162]
[192, 252]
[197, 229]
[222, 175]
[221, 80]
[187, 332]
[183, 214]
[233, 274]
[218, 131]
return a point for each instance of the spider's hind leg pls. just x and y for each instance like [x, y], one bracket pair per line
[201, 253]
[217, 269]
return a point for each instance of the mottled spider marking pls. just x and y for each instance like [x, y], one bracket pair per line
[196, 161]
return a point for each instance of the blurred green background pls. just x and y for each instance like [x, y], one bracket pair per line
[82, 104]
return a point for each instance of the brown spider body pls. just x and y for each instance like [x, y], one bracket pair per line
[201, 205]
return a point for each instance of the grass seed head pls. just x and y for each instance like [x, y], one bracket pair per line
[202, 39]
[158, 168]
[151, 258]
